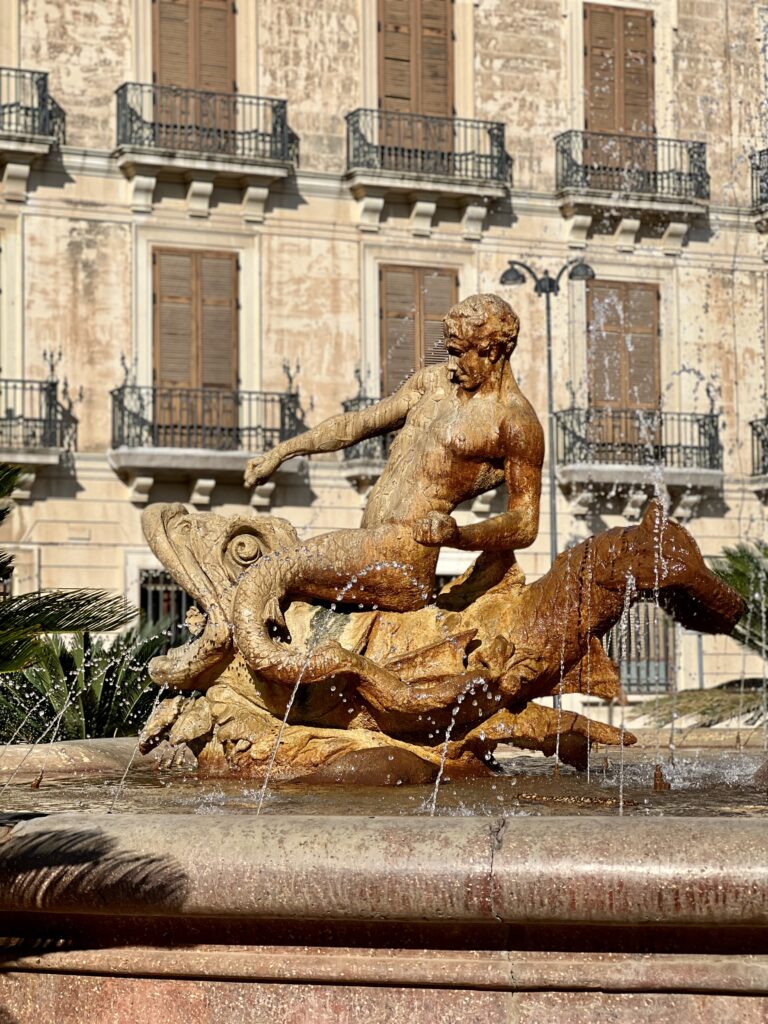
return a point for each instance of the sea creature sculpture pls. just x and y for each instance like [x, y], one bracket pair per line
[334, 658]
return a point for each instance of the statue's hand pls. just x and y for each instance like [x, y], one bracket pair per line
[434, 529]
[260, 469]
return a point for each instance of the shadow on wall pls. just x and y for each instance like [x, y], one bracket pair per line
[80, 867]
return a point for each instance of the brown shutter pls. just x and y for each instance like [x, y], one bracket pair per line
[195, 44]
[637, 72]
[641, 344]
[174, 316]
[605, 342]
[218, 320]
[399, 325]
[413, 304]
[415, 59]
[618, 70]
[435, 99]
[438, 294]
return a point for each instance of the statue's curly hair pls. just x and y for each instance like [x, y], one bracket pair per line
[490, 317]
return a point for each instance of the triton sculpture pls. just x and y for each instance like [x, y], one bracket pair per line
[333, 658]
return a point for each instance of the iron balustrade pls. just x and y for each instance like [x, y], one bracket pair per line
[638, 437]
[642, 644]
[759, 163]
[212, 418]
[32, 417]
[641, 164]
[760, 447]
[451, 147]
[372, 449]
[169, 118]
[26, 106]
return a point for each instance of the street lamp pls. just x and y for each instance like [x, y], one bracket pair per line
[548, 286]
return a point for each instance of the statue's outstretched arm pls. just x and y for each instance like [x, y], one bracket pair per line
[340, 431]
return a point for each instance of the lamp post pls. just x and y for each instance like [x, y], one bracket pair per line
[546, 285]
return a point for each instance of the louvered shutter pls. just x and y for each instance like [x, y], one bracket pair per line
[637, 72]
[396, 56]
[641, 345]
[434, 69]
[601, 32]
[399, 326]
[175, 358]
[415, 57]
[174, 64]
[215, 42]
[218, 320]
[605, 335]
[438, 294]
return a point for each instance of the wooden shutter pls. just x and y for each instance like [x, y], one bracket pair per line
[218, 320]
[415, 57]
[174, 315]
[414, 301]
[194, 44]
[623, 345]
[618, 70]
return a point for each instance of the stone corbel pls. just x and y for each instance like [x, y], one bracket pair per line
[199, 197]
[369, 210]
[626, 233]
[202, 488]
[472, 221]
[15, 179]
[25, 483]
[142, 192]
[254, 203]
[422, 212]
[580, 224]
[635, 503]
[261, 495]
[140, 488]
[672, 239]
[686, 507]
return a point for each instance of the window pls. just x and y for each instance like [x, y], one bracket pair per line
[623, 370]
[413, 304]
[194, 44]
[645, 652]
[195, 344]
[415, 57]
[618, 73]
[161, 598]
[6, 583]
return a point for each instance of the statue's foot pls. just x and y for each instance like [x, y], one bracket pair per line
[687, 587]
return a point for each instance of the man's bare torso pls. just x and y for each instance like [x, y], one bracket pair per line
[450, 449]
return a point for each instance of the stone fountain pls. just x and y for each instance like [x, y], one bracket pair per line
[328, 660]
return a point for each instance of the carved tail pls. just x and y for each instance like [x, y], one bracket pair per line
[257, 604]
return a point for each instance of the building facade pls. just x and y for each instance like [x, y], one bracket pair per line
[220, 222]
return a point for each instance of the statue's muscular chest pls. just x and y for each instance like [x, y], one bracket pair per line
[465, 430]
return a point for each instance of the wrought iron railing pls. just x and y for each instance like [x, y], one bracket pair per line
[451, 147]
[168, 118]
[759, 162]
[643, 164]
[158, 417]
[643, 646]
[373, 449]
[760, 447]
[26, 106]
[32, 417]
[638, 437]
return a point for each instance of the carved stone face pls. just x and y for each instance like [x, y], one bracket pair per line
[471, 358]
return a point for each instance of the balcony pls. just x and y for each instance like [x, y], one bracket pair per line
[625, 181]
[631, 452]
[36, 430]
[202, 435]
[760, 456]
[202, 139]
[31, 125]
[425, 161]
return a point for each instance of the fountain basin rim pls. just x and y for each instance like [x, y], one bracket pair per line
[570, 871]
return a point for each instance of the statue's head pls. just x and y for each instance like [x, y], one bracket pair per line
[480, 331]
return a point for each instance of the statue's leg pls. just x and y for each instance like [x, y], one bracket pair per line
[587, 588]
[382, 568]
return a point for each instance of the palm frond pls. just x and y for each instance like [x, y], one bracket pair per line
[707, 707]
[9, 478]
[745, 568]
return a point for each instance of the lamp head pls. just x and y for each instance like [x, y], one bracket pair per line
[581, 271]
[512, 275]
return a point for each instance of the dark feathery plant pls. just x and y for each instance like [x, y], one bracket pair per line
[93, 686]
[745, 568]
